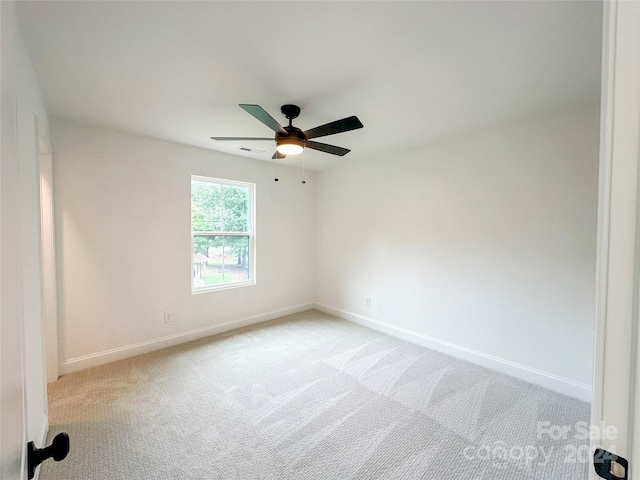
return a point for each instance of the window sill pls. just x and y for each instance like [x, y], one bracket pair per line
[217, 288]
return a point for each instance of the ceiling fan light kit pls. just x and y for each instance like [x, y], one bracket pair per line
[291, 140]
[289, 146]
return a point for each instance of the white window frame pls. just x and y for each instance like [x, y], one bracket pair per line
[251, 233]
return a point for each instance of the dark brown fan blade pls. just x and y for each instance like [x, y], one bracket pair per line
[239, 138]
[278, 155]
[339, 126]
[323, 147]
[260, 114]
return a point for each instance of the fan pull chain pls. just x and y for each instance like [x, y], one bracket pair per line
[303, 172]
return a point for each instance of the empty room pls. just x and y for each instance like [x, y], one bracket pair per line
[316, 240]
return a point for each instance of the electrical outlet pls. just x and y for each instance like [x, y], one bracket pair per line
[168, 317]
[367, 301]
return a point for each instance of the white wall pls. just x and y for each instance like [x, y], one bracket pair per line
[122, 207]
[482, 244]
[22, 379]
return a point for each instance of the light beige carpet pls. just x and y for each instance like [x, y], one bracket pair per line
[309, 396]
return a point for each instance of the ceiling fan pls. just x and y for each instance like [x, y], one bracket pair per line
[291, 140]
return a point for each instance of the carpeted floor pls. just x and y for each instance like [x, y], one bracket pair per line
[309, 397]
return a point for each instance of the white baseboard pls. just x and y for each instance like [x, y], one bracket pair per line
[553, 382]
[107, 356]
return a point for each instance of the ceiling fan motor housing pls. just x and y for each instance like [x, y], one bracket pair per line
[293, 135]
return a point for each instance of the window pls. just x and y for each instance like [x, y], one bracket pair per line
[222, 234]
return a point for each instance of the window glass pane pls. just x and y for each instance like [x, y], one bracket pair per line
[220, 259]
[236, 208]
[206, 206]
[208, 264]
[236, 258]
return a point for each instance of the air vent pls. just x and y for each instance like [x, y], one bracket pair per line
[251, 150]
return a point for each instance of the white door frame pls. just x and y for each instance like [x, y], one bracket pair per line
[49, 289]
[618, 252]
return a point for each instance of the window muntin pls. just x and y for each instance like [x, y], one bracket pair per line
[222, 234]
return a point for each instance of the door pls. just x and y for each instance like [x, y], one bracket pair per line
[615, 377]
[12, 377]
[23, 409]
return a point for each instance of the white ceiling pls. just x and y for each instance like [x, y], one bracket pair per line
[411, 71]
